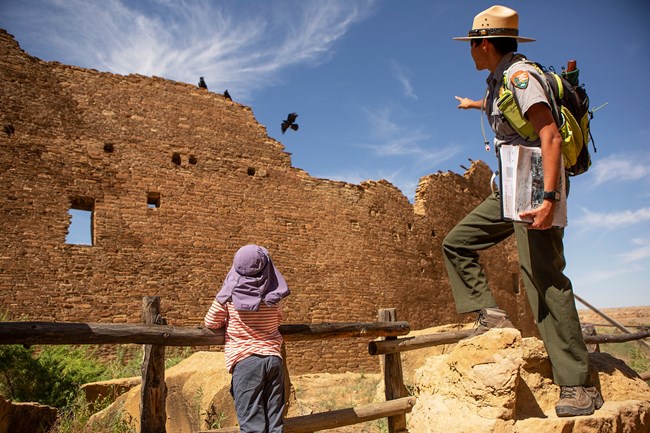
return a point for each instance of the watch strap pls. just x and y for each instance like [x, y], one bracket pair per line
[552, 195]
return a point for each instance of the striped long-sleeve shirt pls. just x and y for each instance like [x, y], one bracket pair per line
[247, 332]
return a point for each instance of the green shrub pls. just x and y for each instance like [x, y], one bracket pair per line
[18, 372]
[67, 369]
[51, 376]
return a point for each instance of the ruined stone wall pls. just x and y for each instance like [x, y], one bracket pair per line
[117, 144]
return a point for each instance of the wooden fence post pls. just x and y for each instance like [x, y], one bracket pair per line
[393, 378]
[153, 390]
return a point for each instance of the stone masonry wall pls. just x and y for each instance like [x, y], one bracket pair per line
[112, 144]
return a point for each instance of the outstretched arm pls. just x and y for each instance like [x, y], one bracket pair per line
[466, 103]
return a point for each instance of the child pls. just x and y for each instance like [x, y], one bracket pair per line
[248, 305]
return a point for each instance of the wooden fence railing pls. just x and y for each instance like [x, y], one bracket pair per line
[155, 335]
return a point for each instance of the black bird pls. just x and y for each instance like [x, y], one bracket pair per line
[289, 123]
[9, 129]
[227, 95]
[202, 84]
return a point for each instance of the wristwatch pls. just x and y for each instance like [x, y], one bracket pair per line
[552, 195]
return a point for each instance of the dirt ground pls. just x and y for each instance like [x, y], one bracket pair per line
[628, 316]
[325, 392]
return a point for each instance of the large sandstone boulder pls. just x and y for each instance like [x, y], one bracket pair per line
[109, 390]
[25, 417]
[198, 397]
[499, 382]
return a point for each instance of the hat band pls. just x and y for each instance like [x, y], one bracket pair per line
[493, 32]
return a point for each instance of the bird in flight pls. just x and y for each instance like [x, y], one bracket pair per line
[289, 123]
[202, 84]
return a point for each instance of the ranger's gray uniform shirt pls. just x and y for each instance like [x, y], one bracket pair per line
[527, 93]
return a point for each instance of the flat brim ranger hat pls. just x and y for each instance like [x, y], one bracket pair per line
[495, 22]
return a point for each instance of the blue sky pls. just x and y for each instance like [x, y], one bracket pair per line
[373, 82]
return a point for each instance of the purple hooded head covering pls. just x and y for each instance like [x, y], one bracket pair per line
[253, 278]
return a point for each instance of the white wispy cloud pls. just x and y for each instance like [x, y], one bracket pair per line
[640, 253]
[599, 275]
[634, 260]
[613, 219]
[618, 168]
[233, 45]
[402, 179]
[402, 75]
[394, 136]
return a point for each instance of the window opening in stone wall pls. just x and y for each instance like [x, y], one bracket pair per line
[251, 171]
[176, 158]
[153, 200]
[109, 147]
[193, 160]
[80, 231]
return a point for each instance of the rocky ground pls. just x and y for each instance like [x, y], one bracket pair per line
[323, 392]
[440, 377]
[495, 382]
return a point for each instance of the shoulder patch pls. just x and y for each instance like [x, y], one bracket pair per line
[520, 79]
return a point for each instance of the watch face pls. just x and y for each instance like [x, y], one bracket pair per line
[552, 195]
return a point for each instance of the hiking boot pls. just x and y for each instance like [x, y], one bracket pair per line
[578, 400]
[489, 318]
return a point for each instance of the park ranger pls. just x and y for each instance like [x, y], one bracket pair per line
[494, 39]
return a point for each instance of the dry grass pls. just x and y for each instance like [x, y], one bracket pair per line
[324, 392]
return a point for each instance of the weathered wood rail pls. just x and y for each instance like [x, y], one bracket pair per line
[339, 418]
[31, 333]
[155, 335]
[422, 341]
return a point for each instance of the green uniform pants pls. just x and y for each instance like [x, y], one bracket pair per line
[541, 263]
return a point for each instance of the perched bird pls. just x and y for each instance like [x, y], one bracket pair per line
[202, 84]
[289, 123]
[227, 95]
[9, 129]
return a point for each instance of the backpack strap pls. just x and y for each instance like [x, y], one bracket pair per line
[512, 113]
[511, 110]
[554, 96]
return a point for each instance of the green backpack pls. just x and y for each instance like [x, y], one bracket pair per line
[570, 110]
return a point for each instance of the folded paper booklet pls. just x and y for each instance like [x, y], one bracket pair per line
[522, 184]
